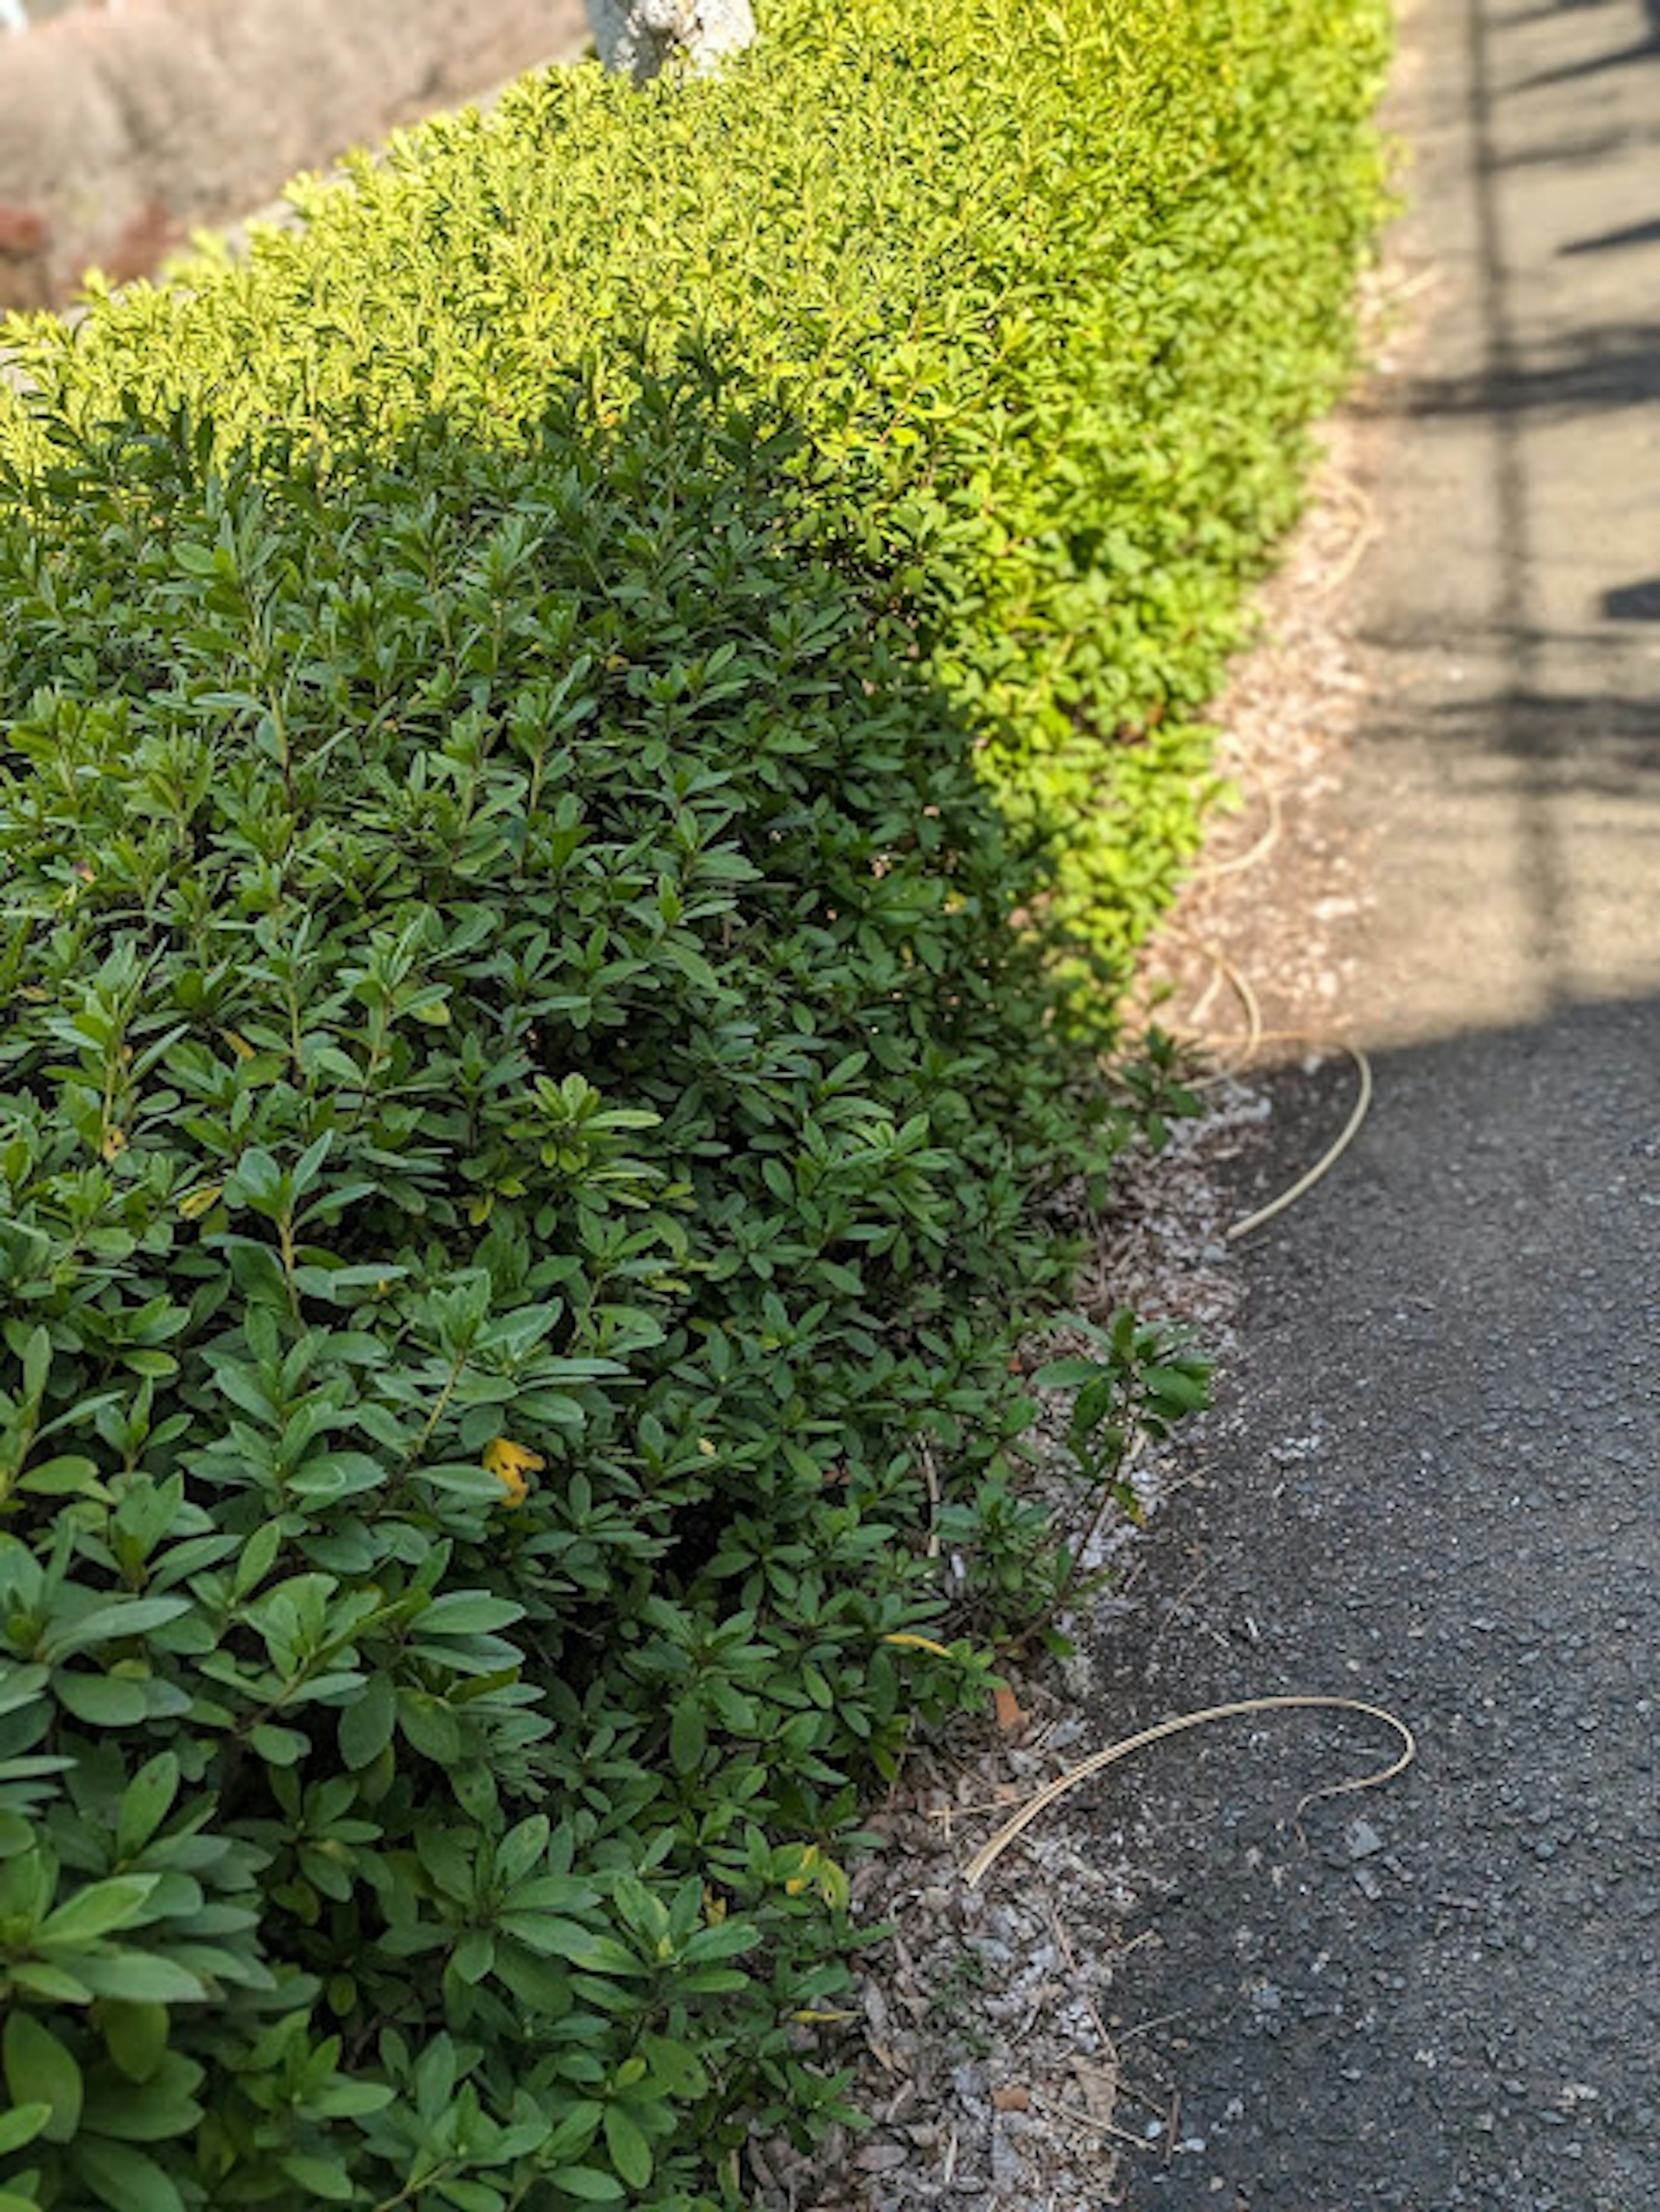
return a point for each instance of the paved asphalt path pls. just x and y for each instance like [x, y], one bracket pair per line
[1436, 1483]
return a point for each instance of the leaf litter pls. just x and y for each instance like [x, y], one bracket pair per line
[987, 2046]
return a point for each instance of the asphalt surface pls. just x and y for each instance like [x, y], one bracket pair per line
[1435, 1482]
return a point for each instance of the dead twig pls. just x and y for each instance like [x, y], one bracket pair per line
[983, 1860]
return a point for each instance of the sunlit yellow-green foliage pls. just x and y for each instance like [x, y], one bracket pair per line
[1053, 292]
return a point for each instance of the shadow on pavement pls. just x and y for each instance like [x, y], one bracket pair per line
[1581, 742]
[1632, 233]
[1616, 365]
[1633, 602]
[1546, 8]
[1645, 49]
[1578, 743]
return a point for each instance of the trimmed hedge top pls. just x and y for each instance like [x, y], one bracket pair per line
[537, 719]
[1051, 293]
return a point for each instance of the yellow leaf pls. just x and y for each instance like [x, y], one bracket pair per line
[114, 1142]
[195, 1203]
[512, 1465]
[919, 1643]
[804, 1879]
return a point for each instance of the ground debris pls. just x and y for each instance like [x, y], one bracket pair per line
[987, 2046]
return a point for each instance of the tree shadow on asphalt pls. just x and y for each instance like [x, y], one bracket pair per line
[1633, 602]
[1547, 9]
[1605, 366]
[1645, 49]
[1583, 152]
[1569, 716]
[1607, 242]
[1583, 743]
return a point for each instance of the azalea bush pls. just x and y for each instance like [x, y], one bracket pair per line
[1052, 292]
[545, 895]
[518, 1120]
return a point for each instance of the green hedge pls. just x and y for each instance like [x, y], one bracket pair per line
[536, 719]
[1053, 293]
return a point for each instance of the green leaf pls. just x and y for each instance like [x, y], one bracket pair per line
[588, 2183]
[40, 2071]
[1188, 1393]
[471, 2195]
[67, 1476]
[156, 1364]
[258, 1557]
[38, 1978]
[109, 1624]
[631, 2152]
[135, 2035]
[676, 2065]
[1069, 1374]
[37, 1364]
[278, 1747]
[22, 1686]
[467, 1613]
[726, 1940]
[327, 2177]
[125, 2179]
[551, 1893]
[521, 1848]
[342, 2100]
[146, 2111]
[474, 1954]
[21, 2125]
[139, 1978]
[562, 1939]
[145, 1803]
[96, 1911]
[365, 1726]
[430, 1727]
[688, 1735]
[102, 1700]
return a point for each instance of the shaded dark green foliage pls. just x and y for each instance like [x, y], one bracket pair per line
[531, 746]
[463, 991]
